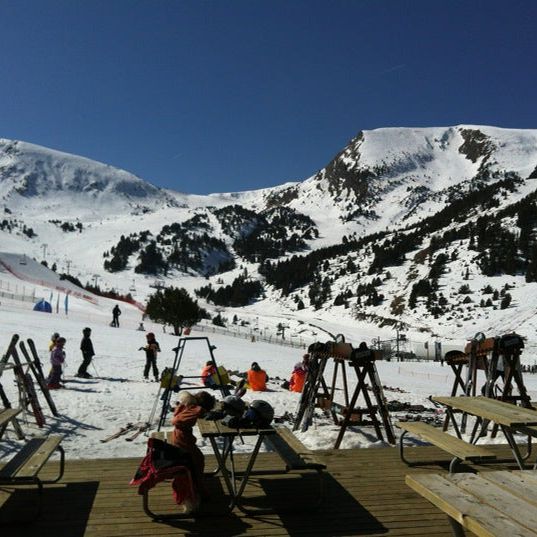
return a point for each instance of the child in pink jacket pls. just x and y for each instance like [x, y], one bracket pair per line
[57, 358]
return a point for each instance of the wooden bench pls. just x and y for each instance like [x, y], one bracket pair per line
[24, 467]
[166, 436]
[461, 450]
[295, 455]
[8, 415]
[488, 504]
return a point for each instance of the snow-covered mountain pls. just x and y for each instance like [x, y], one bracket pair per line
[33, 178]
[371, 224]
[387, 176]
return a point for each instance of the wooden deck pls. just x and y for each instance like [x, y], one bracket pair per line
[365, 495]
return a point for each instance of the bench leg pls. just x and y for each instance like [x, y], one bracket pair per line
[157, 516]
[62, 468]
[458, 530]
[453, 464]
[321, 488]
[40, 498]
[167, 516]
[403, 434]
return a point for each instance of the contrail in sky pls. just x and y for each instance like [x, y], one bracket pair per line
[392, 69]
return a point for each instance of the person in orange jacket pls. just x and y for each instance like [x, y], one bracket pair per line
[298, 376]
[207, 372]
[257, 378]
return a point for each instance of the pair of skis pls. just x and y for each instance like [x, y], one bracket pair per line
[133, 430]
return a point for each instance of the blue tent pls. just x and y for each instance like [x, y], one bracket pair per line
[43, 305]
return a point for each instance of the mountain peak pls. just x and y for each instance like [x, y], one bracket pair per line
[30, 173]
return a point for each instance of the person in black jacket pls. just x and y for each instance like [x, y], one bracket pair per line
[152, 348]
[86, 346]
[116, 312]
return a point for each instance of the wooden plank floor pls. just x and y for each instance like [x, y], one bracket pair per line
[365, 495]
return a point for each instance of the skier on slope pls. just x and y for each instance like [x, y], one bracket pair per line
[116, 312]
[86, 346]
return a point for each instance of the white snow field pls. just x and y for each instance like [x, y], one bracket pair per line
[92, 409]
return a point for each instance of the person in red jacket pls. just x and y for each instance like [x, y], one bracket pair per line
[257, 378]
[184, 418]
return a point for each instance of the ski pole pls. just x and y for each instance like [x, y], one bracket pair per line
[95, 369]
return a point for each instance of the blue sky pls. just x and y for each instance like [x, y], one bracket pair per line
[218, 96]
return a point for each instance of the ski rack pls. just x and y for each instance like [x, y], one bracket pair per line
[164, 392]
[484, 353]
[25, 383]
[317, 393]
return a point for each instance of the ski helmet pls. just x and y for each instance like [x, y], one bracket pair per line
[150, 335]
[264, 412]
[233, 405]
[55, 336]
[205, 400]
[86, 330]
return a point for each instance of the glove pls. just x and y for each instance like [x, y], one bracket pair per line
[231, 421]
[214, 415]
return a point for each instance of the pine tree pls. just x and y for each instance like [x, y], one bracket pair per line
[175, 307]
[506, 301]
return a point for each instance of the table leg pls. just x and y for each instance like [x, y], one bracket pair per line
[225, 454]
[251, 463]
[451, 416]
[479, 430]
[222, 466]
[514, 447]
[232, 461]
[230, 475]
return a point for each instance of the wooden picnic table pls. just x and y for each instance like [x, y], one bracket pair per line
[492, 409]
[499, 503]
[510, 418]
[216, 432]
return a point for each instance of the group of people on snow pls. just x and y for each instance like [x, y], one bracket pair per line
[57, 358]
[57, 353]
[256, 377]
